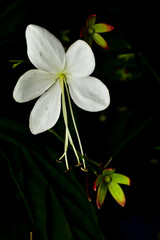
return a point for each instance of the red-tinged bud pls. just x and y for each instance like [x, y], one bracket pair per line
[117, 193]
[110, 180]
[108, 170]
[103, 27]
[100, 41]
[91, 20]
[101, 195]
[92, 30]
[83, 31]
[121, 179]
[95, 186]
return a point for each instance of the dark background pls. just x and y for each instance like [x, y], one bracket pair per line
[130, 130]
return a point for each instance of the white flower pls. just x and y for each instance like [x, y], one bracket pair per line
[56, 70]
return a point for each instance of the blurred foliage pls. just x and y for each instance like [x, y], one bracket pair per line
[56, 203]
[11, 16]
[37, 196]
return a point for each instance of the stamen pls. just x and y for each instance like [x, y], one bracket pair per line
[66, 123]
[84, 169]
[75, 126]
[75, 151]
[68, 135]
[77, 165]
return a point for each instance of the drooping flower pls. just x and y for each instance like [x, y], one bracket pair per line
[109, 180]
[91, 31]
[56, 72]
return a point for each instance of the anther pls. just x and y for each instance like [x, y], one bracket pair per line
[84, 169]
[68, 170]
[59, 160]
[77, 165]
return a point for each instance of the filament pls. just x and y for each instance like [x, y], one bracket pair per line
[67, 134]
[75, 126]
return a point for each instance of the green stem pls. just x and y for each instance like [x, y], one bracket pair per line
[150, 67]
[56, 134]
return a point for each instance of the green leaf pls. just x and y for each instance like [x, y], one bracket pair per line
[16, 62]
[120, 178]
[55, 201]
[117, 193]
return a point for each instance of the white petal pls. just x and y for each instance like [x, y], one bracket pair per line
[44, 50]
[89, 93]
[32, 84]
[80, 61]
[46, 110]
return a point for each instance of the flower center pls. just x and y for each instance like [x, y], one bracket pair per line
[68, 137]
[62, 77]
[107, 179]
[91, 30]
